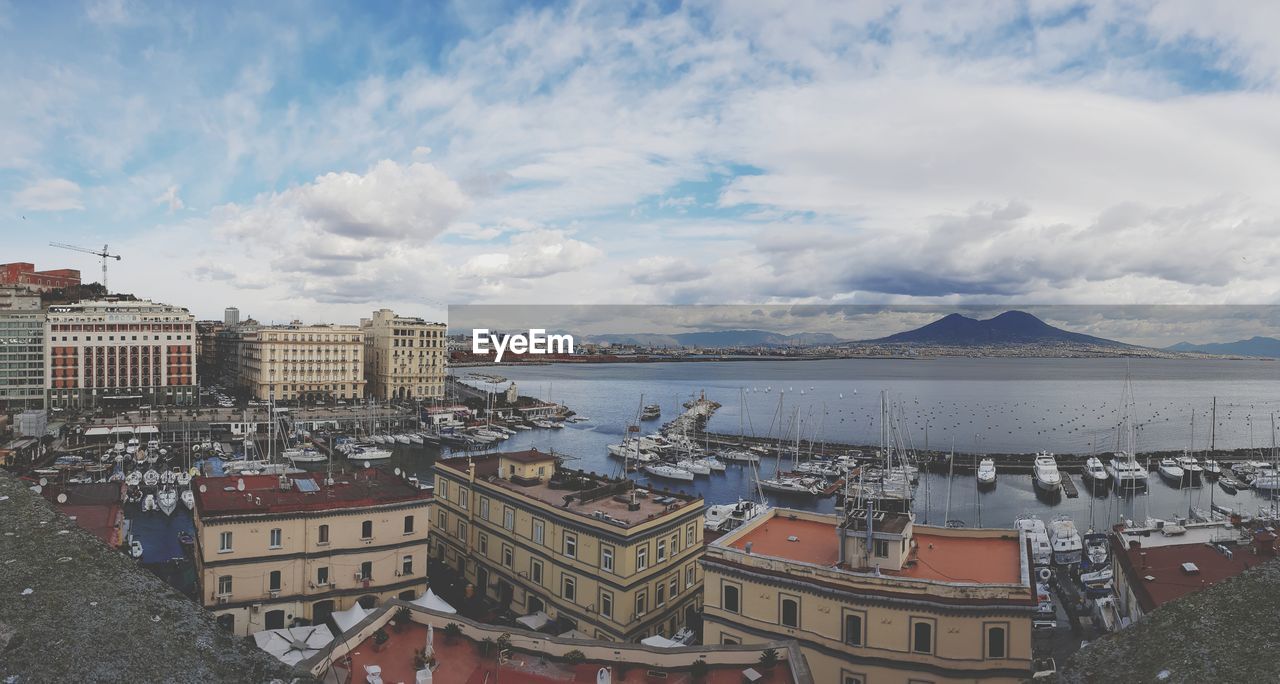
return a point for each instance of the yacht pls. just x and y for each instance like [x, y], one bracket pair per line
[1125, 471]
[726, 517]
[1067, 548]
[1171, 471]
[368, 454]
[1212, 468]
[167, 500]
[1033, 528]
[711, 462]
[188, 499]
[695, 467]
[304, 455]
[792, 485]
[1047, 477]
[650, 412]
[1266, 480]
[737, 456]
[149, 502]
[151, 478]
[986, 472]
[1095, 472]
[1192, 471]
[668, 472]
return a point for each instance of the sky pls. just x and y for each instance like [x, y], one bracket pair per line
[318, 161]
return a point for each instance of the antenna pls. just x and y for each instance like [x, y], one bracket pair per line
[104, 254]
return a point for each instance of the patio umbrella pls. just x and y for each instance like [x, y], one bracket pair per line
[431, 637]
[602, 676]
[295, 644]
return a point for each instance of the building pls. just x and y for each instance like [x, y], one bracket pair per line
[208, 359]
[404, 357]
[593, 554]
[119, 354]
[231, 316]
[97, 507]
[22, 383]
[278, 549]
[26, 276]
[896, 603]
[295, 362]
[1153, 566]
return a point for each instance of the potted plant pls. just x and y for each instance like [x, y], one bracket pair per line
[380, 639]
[402, 619]
[451, 633]
[769, 658]
[699, 669]
[575, 657]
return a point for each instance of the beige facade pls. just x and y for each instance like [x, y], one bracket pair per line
[295, 362]
[119, 353]
[267, 557]
[404, 357]
[902, 603]
[535, 537]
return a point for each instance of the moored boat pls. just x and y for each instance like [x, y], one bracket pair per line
[1045, 473]
[986, 472]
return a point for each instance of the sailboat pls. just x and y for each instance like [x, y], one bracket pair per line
[1124, 468]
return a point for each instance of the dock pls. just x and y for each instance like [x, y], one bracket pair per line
[1069, 487]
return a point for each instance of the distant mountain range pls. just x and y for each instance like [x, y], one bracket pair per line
[1254, 346]
[1011, 328]
[720, 339]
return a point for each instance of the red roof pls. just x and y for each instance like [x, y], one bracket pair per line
[263, 494]
[527, 456]
[1169, 581]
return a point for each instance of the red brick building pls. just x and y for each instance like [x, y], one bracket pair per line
[22, 273]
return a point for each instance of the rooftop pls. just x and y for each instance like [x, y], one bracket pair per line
[263, 493]
[815, 541]
[582, 493]
[1157, 575]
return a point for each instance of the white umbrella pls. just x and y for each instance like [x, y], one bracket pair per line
[293, 645]
[431, 637]
[602, 676]
[430, 601]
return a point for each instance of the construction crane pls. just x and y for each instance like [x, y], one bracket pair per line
[104, 254]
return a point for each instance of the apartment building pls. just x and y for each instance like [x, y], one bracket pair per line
[119, 354]
[874, 599]
[404, 357]
[275, 550]
[21, 350]
[295, 362]
[593, 554]
[25, 275]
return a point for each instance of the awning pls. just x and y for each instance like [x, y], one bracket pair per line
[346, 619]
[660, 642]
[135, 429]
[290, 646]
[574, 634]
[430, 601]
[97, 432]
[535, 621]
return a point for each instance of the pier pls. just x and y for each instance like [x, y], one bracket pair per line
[1069, 487]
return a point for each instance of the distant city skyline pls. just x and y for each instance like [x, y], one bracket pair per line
[319, 162]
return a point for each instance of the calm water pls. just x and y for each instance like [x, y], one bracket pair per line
[980, 405]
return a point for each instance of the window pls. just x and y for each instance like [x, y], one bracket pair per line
[483, 543]
[853, 629]
[675, 544]
[642, 558]
[224, 542]
[408, 524]
[728, 640]
[224, 585]
[508, 518]
[323, 534]
[273, 583]
[660, 595]
[508, 556]
[464, 497]
[996, 642]
[662, 550]
[535, 571]
[790, 612]
[322, 576]
[606, 558]
[366, 570]
[882, 548]
[568, 588]
[642, 602]
[484, 508]
[275, 538]
[850, 678]
[688, 536]
[366, 529]
[606, 604]
[442, 521]
[570, 545]
[922, 636]
[539, 532]
[689, 576]
[675, 586]
[462, 530]
[406, 565]
[442, 488]
[729, 598]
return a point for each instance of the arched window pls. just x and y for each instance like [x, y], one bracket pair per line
[790, 612]
[922, 637]
[996, 642]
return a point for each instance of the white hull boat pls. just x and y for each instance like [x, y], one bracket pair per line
[167, 501]
[986, 472]
[1067, 547]
[668, 472]
[1045, 472]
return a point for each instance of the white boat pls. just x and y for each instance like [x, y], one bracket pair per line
[134, 478]
[1045, 471]
[1095, 471]
[167, 500]
[792, 485]
[184, 478]
[168, 477]
[1067, 547]
[379, 439]
[151, 478]
[1266, 480]
[521, 426]
[1125, 471]
[650, 412]
[1212, 468]
[402, 439]
[304, 455]
[1032, 527]
[694, 467]
[1192, 471]
[986, 472]
[415, 438]
[368, 454]
[132, 446]
[1171, 471]
[135, 548]
[188, 499]
[149, 502]
[726, 517]
[668, 472]
[712, 463]
[738, 456]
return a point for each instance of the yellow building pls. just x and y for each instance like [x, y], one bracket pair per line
[404, 357]
[898, 603]
[272, 550]
[592, 553]
[295, 362]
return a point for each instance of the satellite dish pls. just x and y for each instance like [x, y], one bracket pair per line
[203, 489]
[240, 485]
[43, 481]
[397, 472]
[366, 464]
[62, 498]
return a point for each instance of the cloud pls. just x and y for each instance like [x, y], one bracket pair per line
[170, 199]
[531, 255]
[53, 194]
[657, 270]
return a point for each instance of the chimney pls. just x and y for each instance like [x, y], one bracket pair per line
[747, 547]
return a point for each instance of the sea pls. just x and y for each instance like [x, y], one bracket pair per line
[970, 405]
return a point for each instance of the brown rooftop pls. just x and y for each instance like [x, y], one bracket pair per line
[815, 540]
[263, 493]
[1164, 565]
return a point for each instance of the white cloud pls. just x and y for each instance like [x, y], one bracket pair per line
[657, 270]
[170, 199]
[52, 194]
[536, 254]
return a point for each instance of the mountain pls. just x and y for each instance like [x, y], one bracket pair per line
[1010, 328]
[720, 339]
[1254, 346]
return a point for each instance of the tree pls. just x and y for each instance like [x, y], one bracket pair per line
[699, 669]
[575, 657]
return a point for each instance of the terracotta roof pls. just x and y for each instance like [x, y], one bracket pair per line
[1169, 581]
[262, 493]
[816, 541]
[528, 456]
